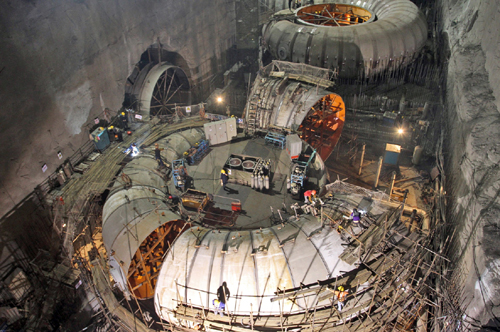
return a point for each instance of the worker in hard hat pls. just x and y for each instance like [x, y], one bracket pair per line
[123, 120]
[309, 195]
[158, 155]
[219, 307]
[341, 295]
[356, 216]
[224, 178]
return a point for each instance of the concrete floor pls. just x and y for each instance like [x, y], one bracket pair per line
[257, 206]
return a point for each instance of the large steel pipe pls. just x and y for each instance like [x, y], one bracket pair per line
[138, 227]
[392, 33]
[281, 102]
[176, 144]
[254, 263]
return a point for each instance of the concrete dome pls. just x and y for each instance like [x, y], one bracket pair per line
[253, 263]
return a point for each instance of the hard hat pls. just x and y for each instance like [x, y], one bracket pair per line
[123, 113]
[314, 192]
[341, 288]
[223, 171]
[110, 127]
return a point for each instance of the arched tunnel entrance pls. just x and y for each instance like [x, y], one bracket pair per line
[164, 87]
[159, 82]
[171, 89]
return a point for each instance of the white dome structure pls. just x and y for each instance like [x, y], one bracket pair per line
[253, 263]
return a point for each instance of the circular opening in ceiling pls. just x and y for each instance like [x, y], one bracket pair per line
[334, 15]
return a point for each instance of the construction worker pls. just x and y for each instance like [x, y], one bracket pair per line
[356, 216]
[224, 178]
[219, 307]
[158, 155]
[309, 195]
[118, 135]
[123, 120]
[223, 293]
[341, 295]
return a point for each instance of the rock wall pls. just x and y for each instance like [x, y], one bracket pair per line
[62, 62]
[473, 141]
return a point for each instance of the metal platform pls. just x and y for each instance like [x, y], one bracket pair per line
[276, 139]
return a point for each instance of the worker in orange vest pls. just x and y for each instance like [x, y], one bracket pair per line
[341, 295]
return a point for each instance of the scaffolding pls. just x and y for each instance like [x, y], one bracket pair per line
[398, 285]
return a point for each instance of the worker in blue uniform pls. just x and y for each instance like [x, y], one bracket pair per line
[224, 178]
[123, 120]
[356, 216]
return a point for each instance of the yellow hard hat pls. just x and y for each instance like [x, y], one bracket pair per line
[123, 113]
[341, 288]
[110, 127]
[223, 171]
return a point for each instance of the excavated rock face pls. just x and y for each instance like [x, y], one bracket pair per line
[63, 62]
[472, 102]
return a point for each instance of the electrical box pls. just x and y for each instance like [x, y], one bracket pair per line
[101, 138]
[293, 146]
[211, 132]
[231, 128]
[221, 132]
[392, 152]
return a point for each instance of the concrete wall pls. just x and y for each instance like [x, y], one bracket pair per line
[473, 103]
[63, 62]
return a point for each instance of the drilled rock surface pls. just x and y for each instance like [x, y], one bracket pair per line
[63, 62]
[472, 101]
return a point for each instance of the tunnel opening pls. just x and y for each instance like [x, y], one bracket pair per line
[334, 15]
[145, 266]
[323, 124]
[171, 90]
[160, 77]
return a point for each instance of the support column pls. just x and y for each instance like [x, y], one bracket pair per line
[379, 168]
[392, 184]
[362, 159]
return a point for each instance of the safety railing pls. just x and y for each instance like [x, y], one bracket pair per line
[234, 307]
